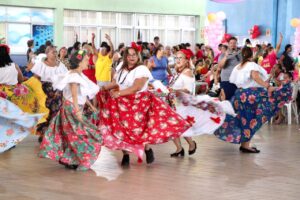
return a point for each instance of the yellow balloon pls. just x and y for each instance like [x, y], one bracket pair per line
[211, 17]
[295, 22]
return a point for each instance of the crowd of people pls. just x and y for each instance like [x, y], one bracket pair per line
[130, 98]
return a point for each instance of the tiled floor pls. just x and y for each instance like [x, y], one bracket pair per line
[217, 171]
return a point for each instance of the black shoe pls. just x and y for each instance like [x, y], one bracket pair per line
[149, 156]
[252, 150]
[62, 163]
[194, 150]
[125, 160]
[180, 153]
[74, 167]
[40, 139]
[67, 165]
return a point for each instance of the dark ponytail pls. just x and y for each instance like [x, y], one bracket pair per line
[246, 55]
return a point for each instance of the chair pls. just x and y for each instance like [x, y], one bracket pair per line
[291, 107]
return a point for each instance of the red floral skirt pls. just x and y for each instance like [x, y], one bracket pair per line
[130, 122]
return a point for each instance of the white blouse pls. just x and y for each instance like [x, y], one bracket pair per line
[9, 75]
[46, 72]
[86, 89]
[184, 82]
[126, 79]
[241, 77]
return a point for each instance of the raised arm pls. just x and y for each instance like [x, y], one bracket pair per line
[111, 52]
[279, 44]
[95, 51]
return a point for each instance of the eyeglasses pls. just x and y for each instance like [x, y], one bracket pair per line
[179, 58]
[132, 55]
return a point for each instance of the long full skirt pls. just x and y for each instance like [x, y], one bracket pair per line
[130, 122]
[70, 141]
[253, 107]
[28, 96]
[15, 125]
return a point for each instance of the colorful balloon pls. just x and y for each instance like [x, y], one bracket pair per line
[211, 17]
[221, 15]
[295, 22]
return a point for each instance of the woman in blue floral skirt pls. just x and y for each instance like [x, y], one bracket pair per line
[255, 102]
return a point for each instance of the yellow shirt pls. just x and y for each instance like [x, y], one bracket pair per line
[260, 59]
[103, 68]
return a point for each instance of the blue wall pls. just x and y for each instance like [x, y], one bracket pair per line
[268, 14]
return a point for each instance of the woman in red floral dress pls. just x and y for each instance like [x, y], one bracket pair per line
[131, 118]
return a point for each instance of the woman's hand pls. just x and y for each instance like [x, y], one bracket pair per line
[79, 116]
[151, 64]
[271, 90]
[115, 94]
[93, 108]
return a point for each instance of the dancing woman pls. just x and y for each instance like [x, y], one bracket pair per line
[27, 95]
[255, 102]
[15, 125]
[205, 114]
[131, 118]
[71, 139]
[45, 70]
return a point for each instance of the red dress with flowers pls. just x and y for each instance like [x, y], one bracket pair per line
[129, 122]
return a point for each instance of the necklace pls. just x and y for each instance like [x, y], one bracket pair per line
[119, 78]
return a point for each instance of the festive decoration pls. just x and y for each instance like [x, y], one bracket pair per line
[255, 32]
[215, 30]
[295, 22]
[212, 17]
[226, 38]
[221, 15]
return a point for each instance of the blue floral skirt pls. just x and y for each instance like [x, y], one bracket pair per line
[15, 125]
[253, 107]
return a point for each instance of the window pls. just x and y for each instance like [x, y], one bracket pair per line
[128, 27]
[18, 35]
[86, 33]
[18, 25]
[70, 35]
[126, 36]
[174, 37]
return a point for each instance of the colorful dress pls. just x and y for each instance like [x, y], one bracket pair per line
[67, 139]
[129, 122]
[54, 97]
[204, 113]
[15, 125]
[252, 104]
[28, 96]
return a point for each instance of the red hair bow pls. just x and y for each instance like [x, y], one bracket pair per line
[136, 47]
[186, 53]
[6, 47]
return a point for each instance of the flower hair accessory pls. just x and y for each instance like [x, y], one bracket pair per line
[6, 47]
[136, 47]
[80, 54]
